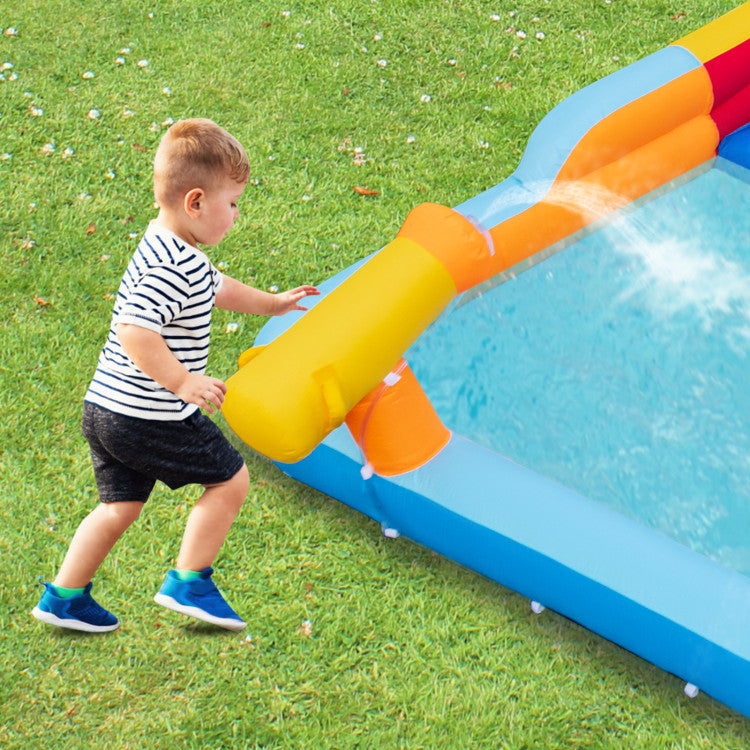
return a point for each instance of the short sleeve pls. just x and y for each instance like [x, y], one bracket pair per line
[218, 279]
[155, 300]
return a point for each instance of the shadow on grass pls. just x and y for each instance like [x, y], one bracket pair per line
[205, 629]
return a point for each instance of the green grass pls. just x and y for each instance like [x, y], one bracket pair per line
[407, 649]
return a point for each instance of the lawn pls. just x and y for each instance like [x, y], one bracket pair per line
[353, 641]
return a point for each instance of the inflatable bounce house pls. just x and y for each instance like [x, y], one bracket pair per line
[435, 449]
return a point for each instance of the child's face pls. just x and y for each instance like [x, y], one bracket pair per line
[218, 212]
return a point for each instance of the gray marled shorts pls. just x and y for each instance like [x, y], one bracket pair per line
[130, 454]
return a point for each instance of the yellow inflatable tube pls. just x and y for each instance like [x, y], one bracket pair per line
[287, 396]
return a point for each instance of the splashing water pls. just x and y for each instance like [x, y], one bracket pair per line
[595, 204]
[677, 276]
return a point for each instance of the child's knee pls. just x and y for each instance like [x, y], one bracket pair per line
[239, 485]
[232, 492]
[243, 482]
[121, 513]
[116, 517]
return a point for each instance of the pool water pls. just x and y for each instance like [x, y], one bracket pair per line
[619, 366]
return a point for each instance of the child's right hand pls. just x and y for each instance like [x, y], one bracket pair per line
[202, 390]
[286, 301]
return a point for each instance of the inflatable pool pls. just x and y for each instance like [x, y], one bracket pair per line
[329, 395]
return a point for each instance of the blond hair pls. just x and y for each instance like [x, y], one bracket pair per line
[196, 153]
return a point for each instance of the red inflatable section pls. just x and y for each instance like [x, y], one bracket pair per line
[729, 73]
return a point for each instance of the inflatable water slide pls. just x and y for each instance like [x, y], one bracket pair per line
[329, 396]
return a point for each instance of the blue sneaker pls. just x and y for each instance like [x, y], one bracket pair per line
[79, 612]
[198, 597]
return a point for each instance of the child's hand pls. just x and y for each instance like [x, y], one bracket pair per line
[202, 390]
[289, 300]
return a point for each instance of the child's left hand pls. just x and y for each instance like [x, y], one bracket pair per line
[289, 300]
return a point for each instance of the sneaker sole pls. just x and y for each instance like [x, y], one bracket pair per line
[199, 614]
[70, 624]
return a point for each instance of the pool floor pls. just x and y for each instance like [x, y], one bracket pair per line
[618, 366]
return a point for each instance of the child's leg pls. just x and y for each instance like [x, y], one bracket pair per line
[205, 531]
[94, 538]
[209, 521]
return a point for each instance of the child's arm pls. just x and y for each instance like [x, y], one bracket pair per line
[239, 297]
[152, 356]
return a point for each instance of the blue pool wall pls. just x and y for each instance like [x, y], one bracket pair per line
[634, 586]
[736, 147]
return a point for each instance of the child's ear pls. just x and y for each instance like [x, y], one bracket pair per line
[192, 202]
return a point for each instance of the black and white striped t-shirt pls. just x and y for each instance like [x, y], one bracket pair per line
[168, 287]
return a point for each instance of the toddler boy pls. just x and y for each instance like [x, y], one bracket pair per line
[141, 413]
